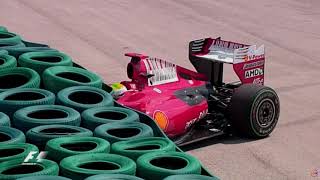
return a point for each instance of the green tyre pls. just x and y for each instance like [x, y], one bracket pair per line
[97, 116]
[63, 147]
[2, 28]
[18, 77]
[18, 51]
[13, 46]
[11, 170]
[15, 99]
[84, 97]
[9, 39]
[42, 134]
[40, 61]
[60, 77]
[3, 52]
[16, 151]
[44, 177]
[190, 177]
[7, 61]
[10, 135]
[85, 165]
[159, 165]
[113, 177]
[137, 147]
[4, 120]
[33, 116]
[114, 132]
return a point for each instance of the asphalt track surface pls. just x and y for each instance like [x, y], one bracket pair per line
[97, 33]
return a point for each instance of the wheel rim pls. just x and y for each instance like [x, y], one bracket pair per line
[266, 113]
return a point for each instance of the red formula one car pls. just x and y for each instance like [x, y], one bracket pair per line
[191, 106]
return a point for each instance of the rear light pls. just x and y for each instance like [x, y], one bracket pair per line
[161, 119]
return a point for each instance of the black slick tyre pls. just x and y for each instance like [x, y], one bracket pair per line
[114, 132]
[33, 116]
[84, 97]
[14, 99]
[254, 110]
[158, 165]
[63, 147]
[59, 77]
[85, 165]
[97, 116]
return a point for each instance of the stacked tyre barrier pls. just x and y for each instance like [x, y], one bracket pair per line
[50, 104]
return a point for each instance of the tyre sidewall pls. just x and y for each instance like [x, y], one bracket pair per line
[264, 94]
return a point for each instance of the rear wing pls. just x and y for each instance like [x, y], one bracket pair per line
[208, 55]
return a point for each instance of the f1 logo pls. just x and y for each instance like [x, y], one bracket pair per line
[34, 157]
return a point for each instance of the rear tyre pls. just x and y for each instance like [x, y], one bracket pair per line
[254, 110]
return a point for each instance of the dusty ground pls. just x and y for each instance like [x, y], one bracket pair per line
[96, 33]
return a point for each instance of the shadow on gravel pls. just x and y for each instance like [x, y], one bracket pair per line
[224, 139]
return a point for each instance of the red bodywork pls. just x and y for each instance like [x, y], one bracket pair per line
[160, 86]
[150, 99]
